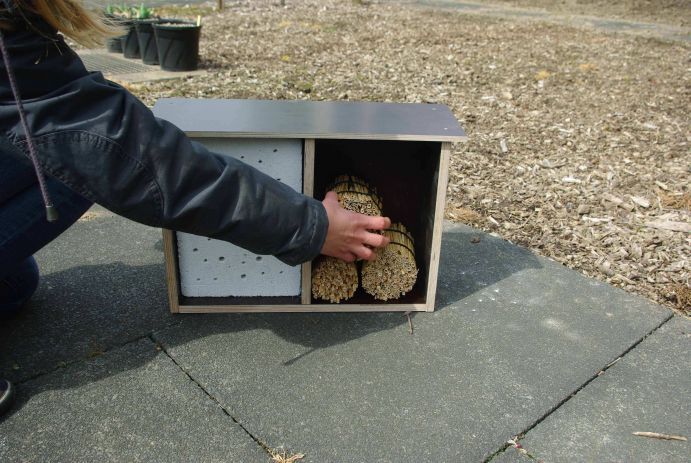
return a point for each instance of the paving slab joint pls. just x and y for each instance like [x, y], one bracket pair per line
[513, 442]
[600, 372]
[159, 346]
[95, 353]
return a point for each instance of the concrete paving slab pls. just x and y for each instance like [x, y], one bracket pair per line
[130, 404]
[512, 455]
[102, 284]
[512, 337]
[647, 390]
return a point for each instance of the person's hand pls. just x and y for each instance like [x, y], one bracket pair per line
[349, 237]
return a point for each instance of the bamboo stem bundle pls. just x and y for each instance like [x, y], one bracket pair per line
[334, 280]
[394, 272]
[354, 194]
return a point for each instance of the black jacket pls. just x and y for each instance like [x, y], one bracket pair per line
[99, 140]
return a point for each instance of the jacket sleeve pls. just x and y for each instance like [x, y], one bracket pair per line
[98, 139]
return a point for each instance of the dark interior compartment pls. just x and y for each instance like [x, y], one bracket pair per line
[405, 175]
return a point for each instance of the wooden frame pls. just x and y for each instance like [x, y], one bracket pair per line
[307, 189]
[171, 260]
[287, 120]
[442, 181]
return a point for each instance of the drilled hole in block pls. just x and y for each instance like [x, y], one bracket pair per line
[243, 276]
[195, 250]
[275, 150]
[259, 258]
[221, 258]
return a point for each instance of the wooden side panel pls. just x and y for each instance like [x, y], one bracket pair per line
[171, 262]
[438, 222]
[307, 189]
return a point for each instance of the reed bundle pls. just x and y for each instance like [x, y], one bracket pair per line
[394, 272]
[333, 279]
[354, 194]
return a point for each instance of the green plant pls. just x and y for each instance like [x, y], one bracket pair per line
[143, 12]
[121, 11]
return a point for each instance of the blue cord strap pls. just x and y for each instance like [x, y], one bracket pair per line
[51, 211]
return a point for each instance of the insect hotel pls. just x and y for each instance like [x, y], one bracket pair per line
[381, 159]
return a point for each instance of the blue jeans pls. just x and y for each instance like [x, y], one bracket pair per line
[24, 228]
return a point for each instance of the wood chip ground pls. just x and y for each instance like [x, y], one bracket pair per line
[579, 141]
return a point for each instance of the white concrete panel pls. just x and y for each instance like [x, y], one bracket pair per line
[219, 269]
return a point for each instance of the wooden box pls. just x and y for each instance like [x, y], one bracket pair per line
[401, 149]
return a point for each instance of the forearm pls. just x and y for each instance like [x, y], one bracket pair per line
[103, 143]
[229, 200]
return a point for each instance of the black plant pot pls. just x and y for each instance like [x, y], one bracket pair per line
[114, 44]
[130, 42]
[147, 41]
[178, 46]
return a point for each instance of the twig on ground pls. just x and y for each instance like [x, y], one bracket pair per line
[410, 322]
[657, 435]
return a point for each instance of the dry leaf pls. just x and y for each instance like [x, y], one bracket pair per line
[465, 215]
[676, 201]
[284, 458]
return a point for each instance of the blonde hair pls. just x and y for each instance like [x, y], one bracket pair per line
[69, 17]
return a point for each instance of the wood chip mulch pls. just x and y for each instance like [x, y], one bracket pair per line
[579, 141]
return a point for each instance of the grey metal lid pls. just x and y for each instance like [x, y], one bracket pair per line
[311, 119]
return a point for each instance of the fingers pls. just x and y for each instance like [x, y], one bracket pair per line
[347, 256]
[363, 252]
[331, 196]
[376, 223]
[348, 237]
[374, 240]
